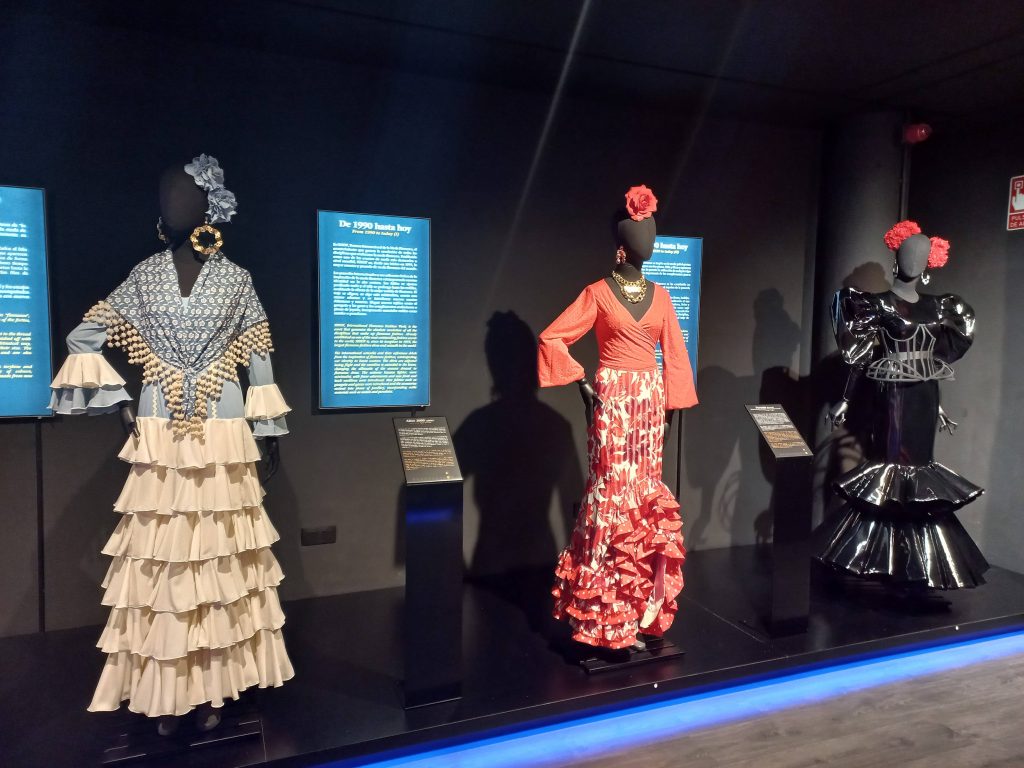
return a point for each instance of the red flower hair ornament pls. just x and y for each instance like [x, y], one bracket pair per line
[939, 254]
[641, 203]
[899, 232]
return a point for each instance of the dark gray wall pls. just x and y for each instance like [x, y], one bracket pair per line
[96, 113]
[19, 566]
[960, 192]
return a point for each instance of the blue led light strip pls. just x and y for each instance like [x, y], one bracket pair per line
[594, 736]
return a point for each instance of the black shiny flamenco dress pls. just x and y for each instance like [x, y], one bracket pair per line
[897, 520]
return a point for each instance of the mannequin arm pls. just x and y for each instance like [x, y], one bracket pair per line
[946, 423]
[589, 398]
[271, 457]
[836, 415]
[128, 420]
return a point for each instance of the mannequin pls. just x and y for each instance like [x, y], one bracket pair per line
[617, 580]
[192, 585]
[911, 261]
[182, 209]
[636, 241]
[896, 519]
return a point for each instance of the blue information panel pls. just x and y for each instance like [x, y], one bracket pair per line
[675, 266]
[374, 310]
[25, 357]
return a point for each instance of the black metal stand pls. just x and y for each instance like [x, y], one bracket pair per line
[791, 547]
[433, 593]
[658, 649]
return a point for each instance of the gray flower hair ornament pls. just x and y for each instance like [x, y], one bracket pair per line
[222, 205]
[210, 177]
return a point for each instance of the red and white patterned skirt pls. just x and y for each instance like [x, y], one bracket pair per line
[622, 570]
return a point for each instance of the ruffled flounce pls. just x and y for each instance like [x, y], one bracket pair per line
[86, 370]
[224, 442]
[932, 550]
[270, 427]
[167, 636]
[929, 487]
[183, 537]
[154, 687]
[178, 587]
[195, 615]
[95, 402]
[265, 402]
[165, 491]
[644, 526]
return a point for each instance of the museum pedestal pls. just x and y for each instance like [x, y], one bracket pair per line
[432, 631]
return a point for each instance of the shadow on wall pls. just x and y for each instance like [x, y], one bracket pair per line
[735, 501]
[520, 453]
[842, 449]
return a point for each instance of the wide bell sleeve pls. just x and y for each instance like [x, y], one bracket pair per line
[86, 382]
[264, 404]
[680, 391]
[856, 324]
[555, 366]
[957, 334]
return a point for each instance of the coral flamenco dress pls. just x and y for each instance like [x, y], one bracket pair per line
[192, 585]
[622, 570]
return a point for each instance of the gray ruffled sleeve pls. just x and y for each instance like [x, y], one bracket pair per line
[86, 383]
[264, 404]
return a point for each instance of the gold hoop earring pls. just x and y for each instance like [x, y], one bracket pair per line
[206, 250]
[160, 230]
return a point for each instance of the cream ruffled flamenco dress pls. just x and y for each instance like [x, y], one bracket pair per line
[192, 585]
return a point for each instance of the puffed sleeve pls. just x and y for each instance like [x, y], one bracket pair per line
[680, 391]
[957, 328]
[264, 403]
[555, 366]
[856, 324]
[86, 382]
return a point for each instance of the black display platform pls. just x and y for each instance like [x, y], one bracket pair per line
[520, 666]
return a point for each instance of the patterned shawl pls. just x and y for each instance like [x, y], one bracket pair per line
[190, 351]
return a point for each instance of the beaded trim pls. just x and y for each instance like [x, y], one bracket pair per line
[123, 335]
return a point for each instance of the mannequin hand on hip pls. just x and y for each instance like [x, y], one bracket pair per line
[836, 415]
[271, 458]
[590, 399]
[128, 420]
[946, 423]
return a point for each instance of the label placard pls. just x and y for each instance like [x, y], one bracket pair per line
[428, 455]
[675, 266]
[25, 345]
[778, 431]
[374, 326]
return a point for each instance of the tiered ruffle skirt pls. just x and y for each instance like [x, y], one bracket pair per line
[622, 570]
[192, 587]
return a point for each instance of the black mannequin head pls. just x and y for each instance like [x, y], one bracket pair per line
[636, 237]
[912, 257]
[183, 204]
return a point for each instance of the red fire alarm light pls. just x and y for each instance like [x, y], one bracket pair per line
[916, 133]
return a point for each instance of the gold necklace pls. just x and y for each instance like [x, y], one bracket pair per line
[633, 291]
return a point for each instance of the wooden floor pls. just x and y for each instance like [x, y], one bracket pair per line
[967, 718]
